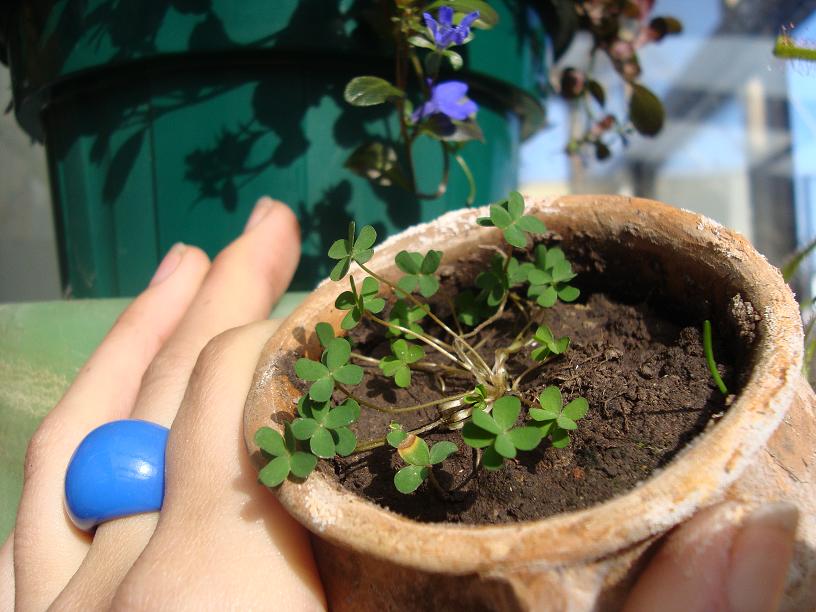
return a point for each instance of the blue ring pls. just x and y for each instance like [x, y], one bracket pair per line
[117, 470]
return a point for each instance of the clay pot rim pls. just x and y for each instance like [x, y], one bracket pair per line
[697, 476]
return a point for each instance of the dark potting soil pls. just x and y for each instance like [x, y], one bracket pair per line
[649, 390]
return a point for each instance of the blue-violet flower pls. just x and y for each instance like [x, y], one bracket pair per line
[450, 99]
[444, 32]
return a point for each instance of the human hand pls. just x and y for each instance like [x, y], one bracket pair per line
[724, 559]
[221, 541]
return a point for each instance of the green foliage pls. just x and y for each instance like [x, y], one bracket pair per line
[351, 249]
[286, 458]
[396, 434]
[358, 302]
[496, 433]
[471, 310]
[646, 111]
[378, 163]
[709, 355]
[549, 277]
[419, 272]
[332, 367]
[493, 283]
[325, 333]
[398, 365]
[477, 398]
[547, 344]
[405, 315]
[370, 91]
[419, 457]
[326, 428]
[508, 215]
[557, 420]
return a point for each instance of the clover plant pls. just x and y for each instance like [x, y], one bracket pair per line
[484, 395]
[428, 37]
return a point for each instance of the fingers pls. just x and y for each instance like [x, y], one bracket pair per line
[215, 510]
[47, 548]
[721, 560]
[7, 575]
[245, 280]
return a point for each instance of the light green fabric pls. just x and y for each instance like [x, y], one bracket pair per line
[42, 346]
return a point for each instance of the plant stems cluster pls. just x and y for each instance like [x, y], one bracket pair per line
[489, 413]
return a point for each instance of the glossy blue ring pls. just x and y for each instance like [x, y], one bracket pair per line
[117, 470]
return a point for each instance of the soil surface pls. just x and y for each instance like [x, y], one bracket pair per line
[649, 390]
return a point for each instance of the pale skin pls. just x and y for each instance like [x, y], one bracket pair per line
[183, 355]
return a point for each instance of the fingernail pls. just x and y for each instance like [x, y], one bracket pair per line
[169, 263]
[760, 556]
[262, 208]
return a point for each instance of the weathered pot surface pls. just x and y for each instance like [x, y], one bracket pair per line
[762, 449]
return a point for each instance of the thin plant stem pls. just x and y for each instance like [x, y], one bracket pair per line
[428, 366]
[411, 297]
[709, 355]
[435, 484]
[402, 409]
[376, 443]
[520, 377]
[439, 345]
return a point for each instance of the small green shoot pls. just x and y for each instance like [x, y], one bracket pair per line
[496, 434]
[557, 420]
[509, 217]
[477, 398]
[286, 458]
[419, 272]
[333, 367]
[398, 365]
[419, 457]
[326, 428]
[405, 315]
[709, 355]
[549, 279]
[547, 344]
[358, 302]
[351, 249]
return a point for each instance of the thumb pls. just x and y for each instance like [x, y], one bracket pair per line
[724, 558]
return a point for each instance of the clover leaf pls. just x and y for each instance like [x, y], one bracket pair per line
[286, 458]
[477, 398]
[351, 249]
[557, 420]
[493, 282]
[332, 367]
[326, 428]
[496, 432]
[397, 365]
[419, 272]
[471, 310]
[419, 457]
[325, 333]
[406, 316]
[358, 302]
[547, 344]
[509, 217]
[549, 279]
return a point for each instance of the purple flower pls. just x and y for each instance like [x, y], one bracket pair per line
[449, 99]
[444, 32]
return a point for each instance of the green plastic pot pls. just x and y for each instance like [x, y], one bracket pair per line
[165, 121]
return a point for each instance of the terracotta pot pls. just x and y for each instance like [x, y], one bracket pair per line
[762, 449]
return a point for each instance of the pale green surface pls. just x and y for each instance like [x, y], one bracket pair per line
[42, 346]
